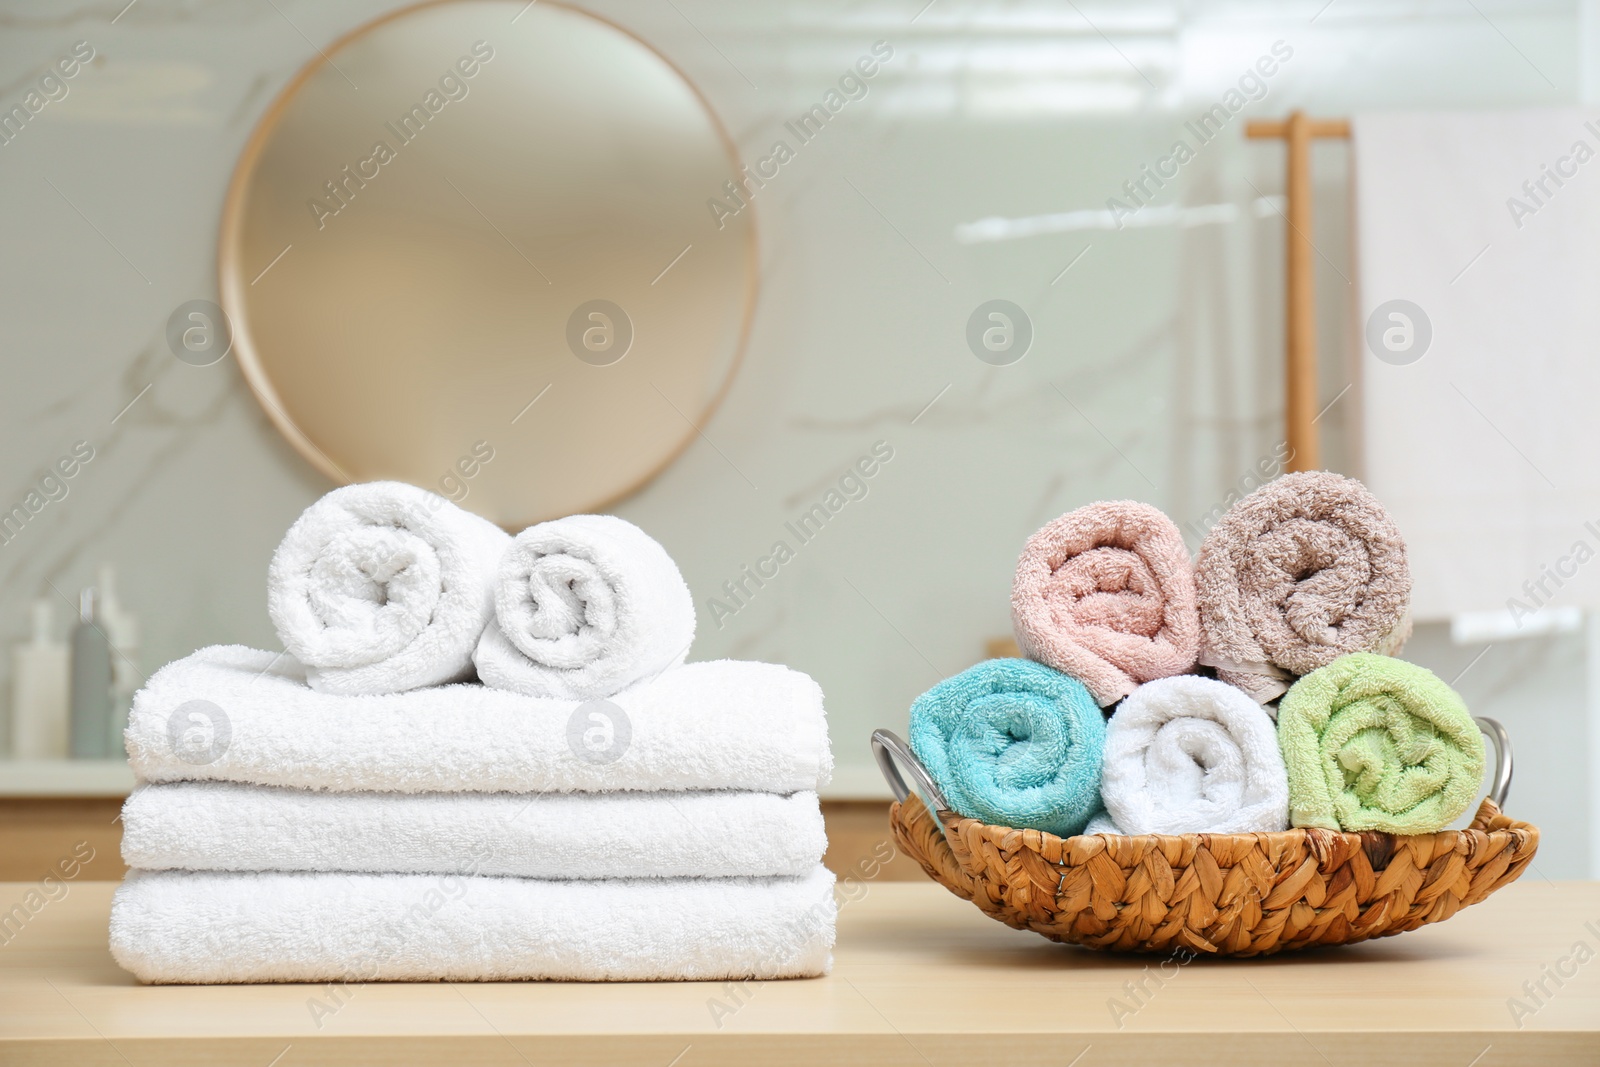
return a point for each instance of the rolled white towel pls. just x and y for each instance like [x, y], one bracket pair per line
[584, 607]
[222, 826]
[235, 714]
[178, 926]
[1101, 823]
[1191, 755]
[384, 587]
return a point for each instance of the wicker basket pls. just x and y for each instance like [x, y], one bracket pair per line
[1212, 894]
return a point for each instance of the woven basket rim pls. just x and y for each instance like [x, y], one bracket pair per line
[1488, 812]
[1216, 894]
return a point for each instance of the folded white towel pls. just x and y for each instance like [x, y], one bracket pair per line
[236, 714]
[226, 827]
[176, 926]
[384, 587]
[584, 607]
[1191, 755]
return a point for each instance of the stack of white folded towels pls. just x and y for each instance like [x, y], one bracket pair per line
[359, 808]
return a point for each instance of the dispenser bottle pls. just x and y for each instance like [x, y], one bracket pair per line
[91, 682]
[122, 631]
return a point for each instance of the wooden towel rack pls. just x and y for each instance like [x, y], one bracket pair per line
[1300, 319]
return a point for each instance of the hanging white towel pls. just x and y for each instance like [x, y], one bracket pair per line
[178, 926]
[1476, 401]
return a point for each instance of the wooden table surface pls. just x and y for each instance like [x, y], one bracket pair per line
[921, 978]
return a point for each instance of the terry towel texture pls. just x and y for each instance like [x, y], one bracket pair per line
[169, 926]
[584, 607]
[229, 713]
[1373, 743]
[1106, 594]
[1192, 755]
[225, 827]
[384, 587]
[1014, 743]
[1303, 570]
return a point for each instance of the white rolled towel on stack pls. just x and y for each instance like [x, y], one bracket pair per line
[585, 606]
[182, 926]
[1191, 755]
[223, 826]
[383, 587]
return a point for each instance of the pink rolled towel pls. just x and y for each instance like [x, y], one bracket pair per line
[1106, 594]
[1302, 571]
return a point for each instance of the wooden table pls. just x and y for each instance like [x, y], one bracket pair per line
[921, 979]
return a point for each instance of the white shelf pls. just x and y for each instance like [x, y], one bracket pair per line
[65, 778]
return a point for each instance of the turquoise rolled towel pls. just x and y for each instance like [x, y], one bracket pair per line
[1014, 743]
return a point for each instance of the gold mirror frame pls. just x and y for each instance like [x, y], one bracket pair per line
[500, 392]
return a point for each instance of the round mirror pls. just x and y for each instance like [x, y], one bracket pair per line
[488, 248]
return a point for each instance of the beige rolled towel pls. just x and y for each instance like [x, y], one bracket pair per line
[1302, 571]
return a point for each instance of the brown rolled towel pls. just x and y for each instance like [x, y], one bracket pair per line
[1302, 571]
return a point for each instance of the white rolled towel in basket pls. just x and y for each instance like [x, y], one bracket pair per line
[1191, 755]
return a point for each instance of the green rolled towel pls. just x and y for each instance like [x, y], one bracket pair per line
[1375, 743]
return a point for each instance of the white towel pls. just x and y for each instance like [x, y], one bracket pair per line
[1482, 445]
[1102, 824]
[584, 607]
[175, 926]
[384, 587]
[236, 714]
[226, 827]
[1192, 755]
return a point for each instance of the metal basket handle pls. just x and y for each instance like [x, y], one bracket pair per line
[1501, 785]
[886, 748]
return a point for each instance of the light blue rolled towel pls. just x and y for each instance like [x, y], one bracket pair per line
[1014, 743]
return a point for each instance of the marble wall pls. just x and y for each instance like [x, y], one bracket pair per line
[1154, 372]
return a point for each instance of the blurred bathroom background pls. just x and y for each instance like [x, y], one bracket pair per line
[978, 166]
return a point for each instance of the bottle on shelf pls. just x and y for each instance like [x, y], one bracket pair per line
[40, 673]
[91, 682]
[122, 631]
